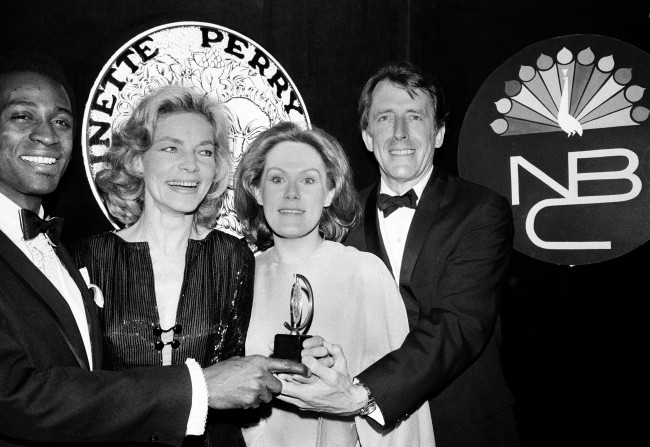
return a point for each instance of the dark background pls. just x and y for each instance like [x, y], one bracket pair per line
[574, 338]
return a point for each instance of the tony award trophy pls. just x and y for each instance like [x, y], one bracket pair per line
[301, 307]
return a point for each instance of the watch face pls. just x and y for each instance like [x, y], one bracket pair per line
[561, 129]
[209, 58]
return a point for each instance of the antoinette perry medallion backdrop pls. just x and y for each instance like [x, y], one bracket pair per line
[561, 129]
[213, 59]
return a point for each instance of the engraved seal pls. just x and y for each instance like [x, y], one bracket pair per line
[211, 58]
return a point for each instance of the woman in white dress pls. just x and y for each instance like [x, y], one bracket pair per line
[294, 196]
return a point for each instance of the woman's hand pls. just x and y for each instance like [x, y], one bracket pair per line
[332, 391]
[312, 347]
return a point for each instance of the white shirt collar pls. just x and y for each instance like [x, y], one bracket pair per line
[10, 219]
[418, 188]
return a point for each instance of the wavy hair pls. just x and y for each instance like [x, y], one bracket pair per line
[411, 78]
[123, 187]
[336, 219]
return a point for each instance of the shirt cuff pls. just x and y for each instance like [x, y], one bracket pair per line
[377, 416]
[199, 409]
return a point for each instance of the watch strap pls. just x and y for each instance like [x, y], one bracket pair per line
[371, 405]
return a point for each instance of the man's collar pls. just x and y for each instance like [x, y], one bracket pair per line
[10, 220]
[418, 187]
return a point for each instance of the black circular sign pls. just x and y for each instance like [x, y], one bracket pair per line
[561, 129]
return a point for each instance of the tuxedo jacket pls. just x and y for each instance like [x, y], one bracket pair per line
[455, 263]
[48, 393]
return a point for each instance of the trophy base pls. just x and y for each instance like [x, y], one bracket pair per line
[287, 346]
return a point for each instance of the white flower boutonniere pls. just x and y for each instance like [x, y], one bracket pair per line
[97, 293]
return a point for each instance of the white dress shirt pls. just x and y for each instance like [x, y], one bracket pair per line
[395, 227]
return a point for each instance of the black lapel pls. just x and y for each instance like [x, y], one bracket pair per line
[44, 292]
[89, 303]
[423, 221]
[374, 242]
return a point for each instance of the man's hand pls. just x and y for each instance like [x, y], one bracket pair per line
[246, 382]
[333, 392]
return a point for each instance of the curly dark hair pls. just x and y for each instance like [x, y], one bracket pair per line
[42, 64]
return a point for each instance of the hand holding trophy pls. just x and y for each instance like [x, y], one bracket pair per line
[301, 307]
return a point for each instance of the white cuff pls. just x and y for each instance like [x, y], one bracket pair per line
[199, 409]
[377, 416]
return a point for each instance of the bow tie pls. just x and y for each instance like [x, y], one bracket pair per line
[32, 226]
[387, 204]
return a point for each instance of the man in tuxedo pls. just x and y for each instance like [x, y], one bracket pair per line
[447, 243]
[51, 385]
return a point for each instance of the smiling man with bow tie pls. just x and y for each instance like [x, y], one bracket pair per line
[51, 385]
[447, 243]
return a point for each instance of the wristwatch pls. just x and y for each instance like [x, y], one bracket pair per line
[371, 405]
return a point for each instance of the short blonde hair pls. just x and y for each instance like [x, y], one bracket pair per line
[123, 188]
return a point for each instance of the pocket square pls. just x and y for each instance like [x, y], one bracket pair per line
[98, 296]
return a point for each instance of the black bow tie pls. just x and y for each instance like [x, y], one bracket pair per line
[387, 204]
[32, 226]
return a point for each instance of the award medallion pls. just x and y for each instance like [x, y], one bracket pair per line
[210, 58]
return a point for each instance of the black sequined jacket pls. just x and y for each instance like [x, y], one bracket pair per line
[213, 310]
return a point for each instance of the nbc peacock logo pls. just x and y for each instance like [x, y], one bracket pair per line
[569, 94]
[561, 129]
